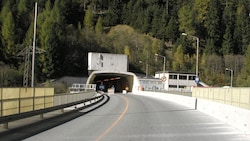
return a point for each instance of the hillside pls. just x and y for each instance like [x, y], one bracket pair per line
[68, 29]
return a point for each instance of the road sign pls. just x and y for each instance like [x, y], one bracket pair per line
[197, 79]
[163, 78]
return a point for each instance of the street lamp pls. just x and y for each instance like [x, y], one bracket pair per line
[146, 69]
[197, 51]
[227, 69]
[163, 62]
[163, 78]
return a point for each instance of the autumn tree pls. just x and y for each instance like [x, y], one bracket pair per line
[179, 62]
[244, 77]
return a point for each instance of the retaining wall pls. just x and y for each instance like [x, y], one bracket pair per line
[235, 116]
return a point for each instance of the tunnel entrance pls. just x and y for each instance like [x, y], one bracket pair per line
[119, 81]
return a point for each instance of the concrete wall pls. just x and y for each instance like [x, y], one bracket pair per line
[239, 97]
[107, 62]
[235, 116]
[183, 100]
[18, 100]
[60, 99]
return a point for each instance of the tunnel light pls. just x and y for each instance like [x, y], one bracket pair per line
[106, 80]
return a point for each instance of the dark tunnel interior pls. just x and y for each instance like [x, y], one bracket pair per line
[119, 81]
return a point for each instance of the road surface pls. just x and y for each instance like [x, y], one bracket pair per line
[138, 118]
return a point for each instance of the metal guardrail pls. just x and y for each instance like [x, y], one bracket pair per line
[77, 88]
[64, 104]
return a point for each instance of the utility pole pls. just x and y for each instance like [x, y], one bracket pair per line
[34, 48]
[26, 52]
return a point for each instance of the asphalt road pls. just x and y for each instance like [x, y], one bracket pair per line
[139, 118]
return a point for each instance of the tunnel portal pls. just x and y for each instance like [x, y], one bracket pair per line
[119, 80]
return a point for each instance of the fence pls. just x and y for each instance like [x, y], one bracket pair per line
[19, 100]
[77, 88]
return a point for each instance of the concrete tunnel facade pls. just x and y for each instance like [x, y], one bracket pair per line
[120, 80]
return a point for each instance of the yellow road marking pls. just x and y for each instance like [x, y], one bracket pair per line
[115, 123]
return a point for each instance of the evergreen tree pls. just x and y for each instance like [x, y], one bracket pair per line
[59, 37]
[163, 24]
[242, 27]
[114, 13]
[227, 45]
[50, 36]
[88, 18]
[213, 28]
[172, 31]
[145, 28]
[5, 10]
[23, 18]
[156, 22]
[98, 27]
[8, 35]
[186, 19]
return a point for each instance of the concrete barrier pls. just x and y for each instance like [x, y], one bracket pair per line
[19, 100]
[183, 100]
[239, 97]
[234, 116]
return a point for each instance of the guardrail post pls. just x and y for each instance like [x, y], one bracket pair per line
[195, 106]
[41, 116]
[6, 125]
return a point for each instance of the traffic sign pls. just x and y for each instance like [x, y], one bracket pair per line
[197, 79]
[163, 78]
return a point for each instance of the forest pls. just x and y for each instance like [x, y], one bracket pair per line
[66, 30]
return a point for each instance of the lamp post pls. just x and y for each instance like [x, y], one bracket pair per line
[197, 53]
[164, 62]
[146, 69]
[163, 77]
[227, 69]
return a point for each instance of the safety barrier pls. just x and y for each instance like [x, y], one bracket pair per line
[77, 88]
[238, 97]
[9, 118]
[235, 116]
[18, 100]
